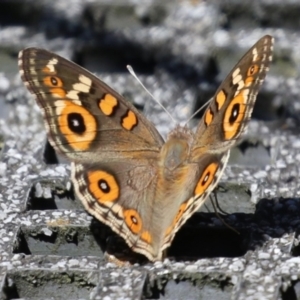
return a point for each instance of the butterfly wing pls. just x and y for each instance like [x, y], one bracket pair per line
[85, 119]
[222, 124]
[113, 147]
[229, 111]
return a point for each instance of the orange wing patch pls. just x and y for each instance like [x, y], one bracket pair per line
[55, 84]
[209, 116]
[129, 120]
[146, 236]
[133, 220]
[108, 104]
[220, 99]
[250, 72]
[177, 218]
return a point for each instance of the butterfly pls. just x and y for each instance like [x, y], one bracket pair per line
[123, 171]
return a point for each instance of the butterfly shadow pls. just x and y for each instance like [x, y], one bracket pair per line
[196, 239]
[205, 236]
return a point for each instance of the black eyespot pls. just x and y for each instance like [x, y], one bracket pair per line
[103, 186]
[205, 178]
[54, 81]
[251, 70]
[134, 220]
[76, 123]
[234, 113]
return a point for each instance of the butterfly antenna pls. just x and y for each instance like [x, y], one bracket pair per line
[218, 215]
[130, 69]
[195, 113]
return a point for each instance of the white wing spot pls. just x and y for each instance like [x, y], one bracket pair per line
[237, 79]
[255, 54]
[241, 84]
[36, 82]
[246, 93]
[52, 62]
[73, 95]
[80, 87]
[85, 80]
[84, 85]
[59, 107]
[32, 71]
[236, 73]
[115, 209]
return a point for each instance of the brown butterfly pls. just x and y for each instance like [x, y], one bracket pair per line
[123, 171]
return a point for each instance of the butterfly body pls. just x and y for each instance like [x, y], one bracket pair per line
[123, 171]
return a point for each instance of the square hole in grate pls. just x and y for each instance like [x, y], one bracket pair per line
[193, 241]
[199, 238]
[41, 284]
[52, 194]
[57, 240]
[231, 198]
[291, 290]
[205, 287]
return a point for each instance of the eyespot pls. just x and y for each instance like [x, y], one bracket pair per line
[78, 126]
[206, 178]
[103, 186]
[234, 115]
[53, 81]
[133, 220]
[55, 84]
[253, 69]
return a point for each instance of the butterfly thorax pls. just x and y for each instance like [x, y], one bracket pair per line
[175, 168]
[174, 186]
[175, 152]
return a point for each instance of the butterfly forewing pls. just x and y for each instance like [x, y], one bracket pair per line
[226, 117]
[83, 115]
